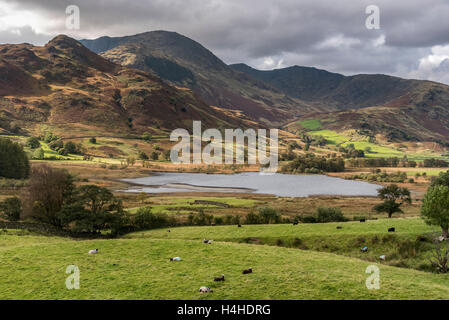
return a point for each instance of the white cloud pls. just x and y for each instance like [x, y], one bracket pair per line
[433, 66]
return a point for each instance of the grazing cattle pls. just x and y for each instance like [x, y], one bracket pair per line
[93, 251]
[364, 249]
[205, 290]
[362, 220]
[207, 241]
[250, 270]
[339, 227]
[175, 259]
[392, 230]
[295, 223]
[219, 278]
[239, 225]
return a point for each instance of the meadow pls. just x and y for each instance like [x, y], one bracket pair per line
[137, 266]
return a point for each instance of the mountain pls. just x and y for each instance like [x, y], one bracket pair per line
[65, 87]
[398, 109]
[343, 92]
[184, 62]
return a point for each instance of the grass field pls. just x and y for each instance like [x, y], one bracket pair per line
[138, 266]
[401, 248]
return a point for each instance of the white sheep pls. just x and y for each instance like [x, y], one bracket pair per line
[93, 251]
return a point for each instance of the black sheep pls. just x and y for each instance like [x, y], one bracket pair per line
[250, 270]
[220, 278]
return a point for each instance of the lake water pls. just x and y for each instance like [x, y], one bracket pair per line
[283, 185]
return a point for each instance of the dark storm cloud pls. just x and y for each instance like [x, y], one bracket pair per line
[265, 33]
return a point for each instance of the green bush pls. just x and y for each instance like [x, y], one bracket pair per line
[11, 208]
[33, 143]
[144, 219]
[252, 218]
[328, 214]
[14, 161]
[269, 215]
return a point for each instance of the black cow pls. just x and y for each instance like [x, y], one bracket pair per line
[392, 230]
[362, 220]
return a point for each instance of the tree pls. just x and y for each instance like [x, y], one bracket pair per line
[33, 143]
[70, 147]
[14, 161]
[394, 197]
[11, 208]
[92, 210]
[435, 208]
[48, 190]
[441, 180]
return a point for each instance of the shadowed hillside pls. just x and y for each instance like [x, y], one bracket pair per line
[65, 85]
[184, 62]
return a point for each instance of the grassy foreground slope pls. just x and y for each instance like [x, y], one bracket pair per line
[411, 246]
[34, 268]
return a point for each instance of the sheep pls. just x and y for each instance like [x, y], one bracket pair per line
[222, 278]
[168, 231]
[239, 225]
[362, 220]
[175, 259]
[93, 251]
[250, 270]
[392, 230]
[205, 290]
[207, 241]
[382, 257]
[295, 223]
[364, 249]
[339, 227]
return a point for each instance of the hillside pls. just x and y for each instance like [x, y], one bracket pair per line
[67, 88]
[397, 109]
[184, 62]
[365, 103]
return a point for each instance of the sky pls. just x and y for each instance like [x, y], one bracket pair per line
[411, 41]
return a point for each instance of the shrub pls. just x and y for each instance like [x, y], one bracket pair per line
[39, 154]
[142, 156]
[144, 219]
[11, 208]
[269, 215]
[308, 219]
[328, 214]
[33, 143]
[252, 218]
